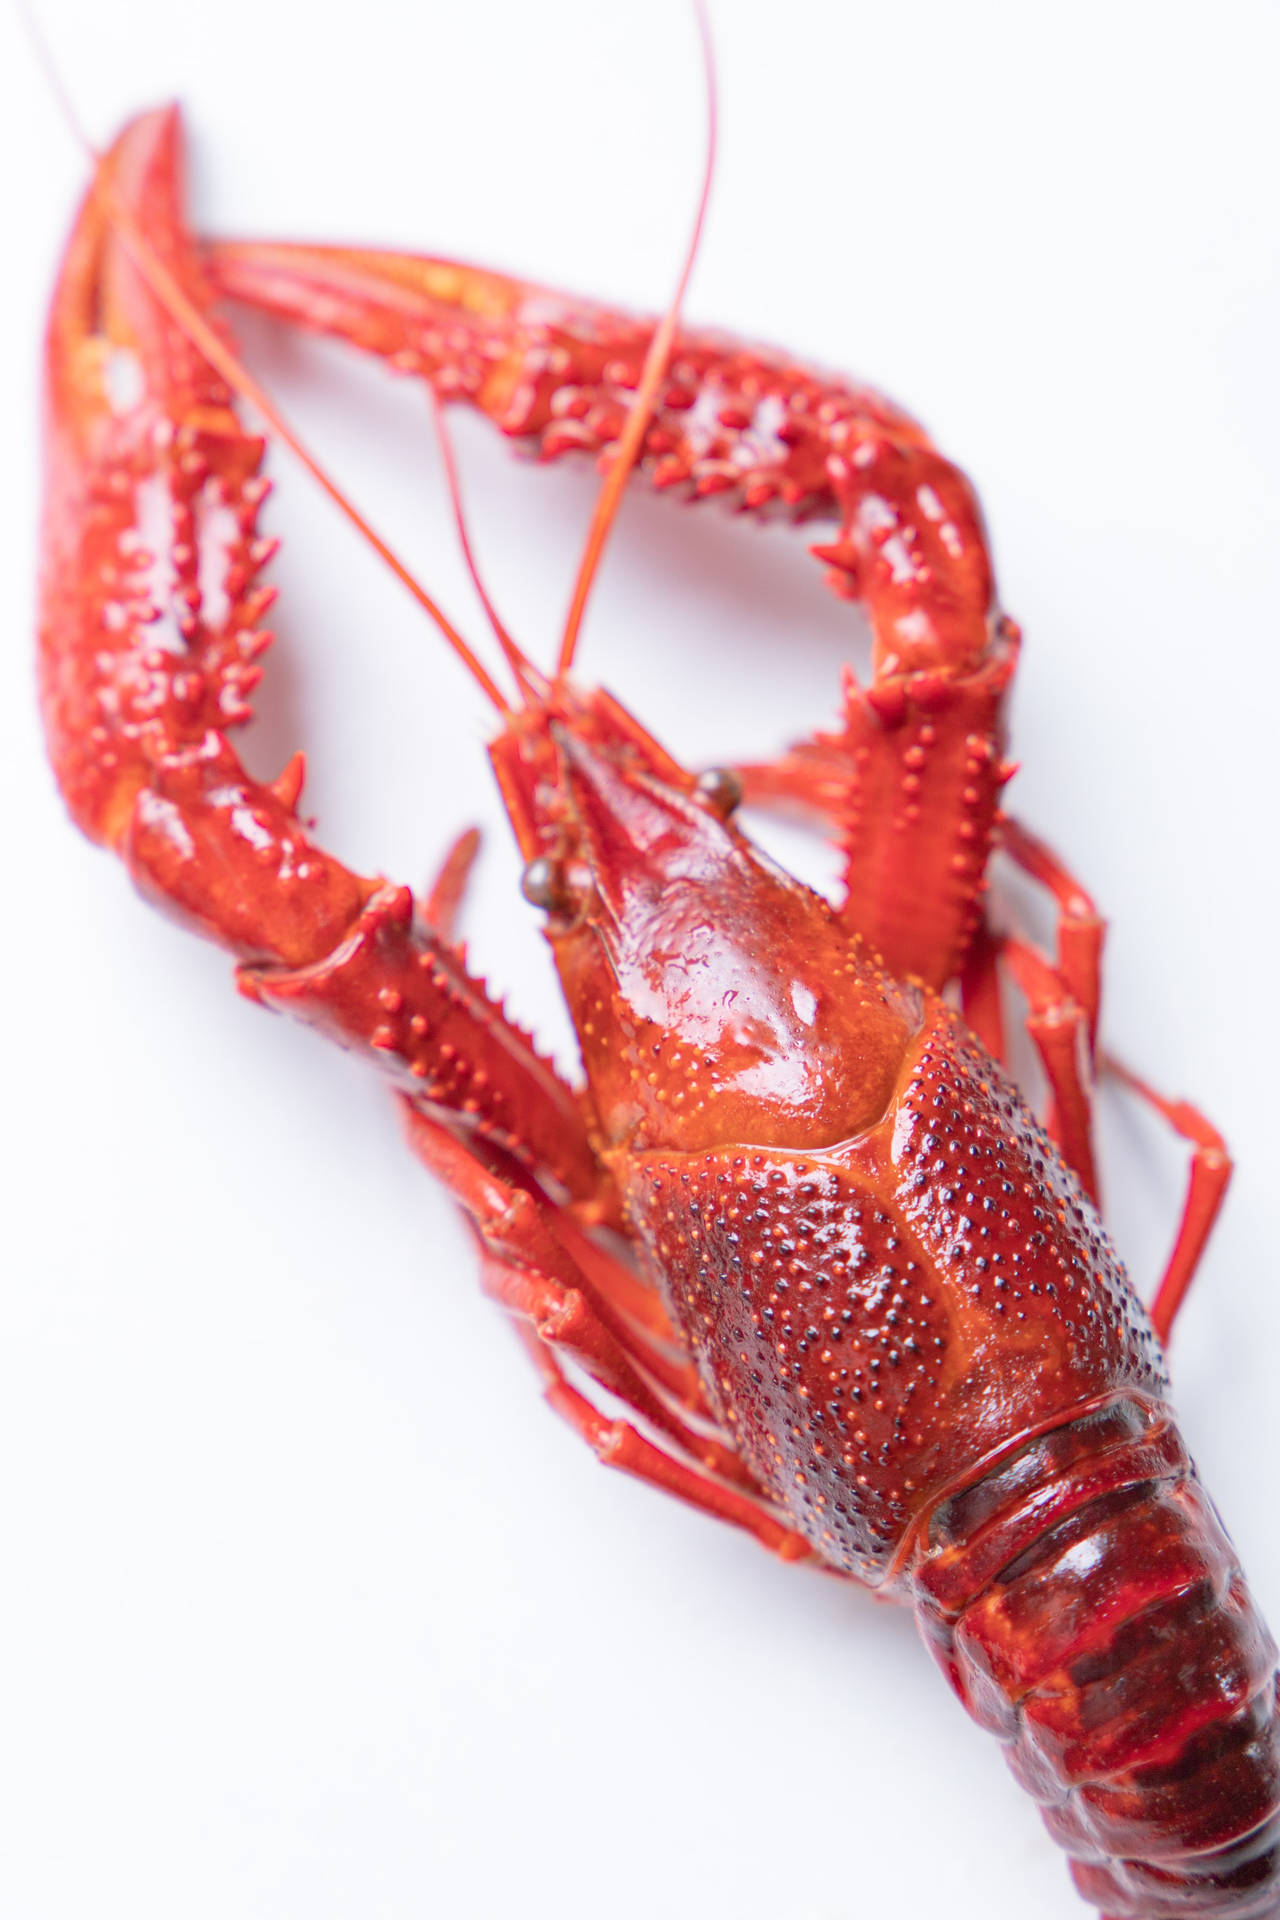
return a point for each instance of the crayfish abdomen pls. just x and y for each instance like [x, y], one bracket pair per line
[1089, 1610]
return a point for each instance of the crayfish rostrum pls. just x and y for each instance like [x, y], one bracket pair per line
[840, 1286]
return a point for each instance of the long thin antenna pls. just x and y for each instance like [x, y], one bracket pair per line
[229, 367]
[641, 411]
[527, 675]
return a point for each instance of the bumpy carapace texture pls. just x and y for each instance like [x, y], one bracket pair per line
[870, 1314]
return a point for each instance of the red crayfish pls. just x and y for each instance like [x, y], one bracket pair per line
[842, 1290]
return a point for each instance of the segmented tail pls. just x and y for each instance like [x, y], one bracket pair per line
[1089, 1610]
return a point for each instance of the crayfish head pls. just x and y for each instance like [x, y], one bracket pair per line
[716, 999]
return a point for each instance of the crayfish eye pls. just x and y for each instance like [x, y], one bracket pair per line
[563, 889]
[542, 884]
[720, 789]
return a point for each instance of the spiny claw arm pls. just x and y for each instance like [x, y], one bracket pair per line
[740, 421]
[150, 634]
[910, 785]
[910, 781]
[150, 606]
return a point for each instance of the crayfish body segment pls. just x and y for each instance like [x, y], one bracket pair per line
[868, 1311]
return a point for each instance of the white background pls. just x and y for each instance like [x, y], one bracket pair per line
[309, 1610]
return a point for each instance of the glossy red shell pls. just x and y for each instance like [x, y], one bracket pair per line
[875, 1319]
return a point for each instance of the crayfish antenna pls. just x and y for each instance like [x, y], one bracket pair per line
[532, 684]
[221, 356]
[640, 414]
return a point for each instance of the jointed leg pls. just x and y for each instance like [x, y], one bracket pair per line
[534, 1278]
[1059, 1027]
[1064, 995]
[566, 1318]
[1207, 1182]
[980, 999]
[553, 1240]
[617, 1444]
[1081, 928]
[1064, 999]
[559, 1313]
